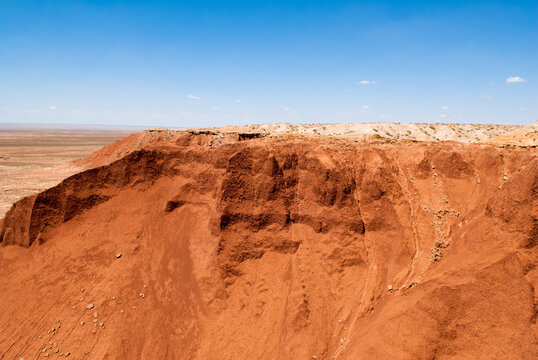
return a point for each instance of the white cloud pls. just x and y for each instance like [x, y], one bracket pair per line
[444, 108]
[365, 108]
[237, 101]
[383, 116]
[442, 115]
[487, 96]
[215, 108]
[515, 79]
[193, 97]
[52, 107]
[522, 108]
[365, 82]
[289, 110]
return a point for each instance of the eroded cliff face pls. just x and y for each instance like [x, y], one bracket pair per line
[246, 247]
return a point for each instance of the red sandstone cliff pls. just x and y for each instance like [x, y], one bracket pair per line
[241, 246]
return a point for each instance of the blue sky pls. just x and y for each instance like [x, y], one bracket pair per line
[212, 63]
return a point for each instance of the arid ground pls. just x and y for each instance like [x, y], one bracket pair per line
[32, 161]
[278, 241]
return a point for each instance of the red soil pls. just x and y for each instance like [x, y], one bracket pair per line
[277, 248]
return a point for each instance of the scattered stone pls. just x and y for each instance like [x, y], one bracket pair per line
[67, 354]
[89, 307]
[101, 324]
[113, 298]
[82, 298]
[95, 314]
[94, 320]
[56, 351]
[82, 323]
[46, 355]
[118, 255]
[82, 290]
[142, 295]
[390, 288]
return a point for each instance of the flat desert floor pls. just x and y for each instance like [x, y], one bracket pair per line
[31, 161]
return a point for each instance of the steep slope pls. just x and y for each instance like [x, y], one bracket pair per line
[211, 246]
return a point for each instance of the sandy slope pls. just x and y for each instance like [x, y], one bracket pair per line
[245, 245]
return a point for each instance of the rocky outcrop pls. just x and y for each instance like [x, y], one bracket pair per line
[252, 246]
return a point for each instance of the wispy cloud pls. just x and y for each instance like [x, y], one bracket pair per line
[193, 97]
[444, 108]
[365, 108]
[289, 110]
[237, 101]
[442, 115]
[365, 82]
[515, 79]
[215, 108]
[487, 96]
[52, 107]
[383, 116]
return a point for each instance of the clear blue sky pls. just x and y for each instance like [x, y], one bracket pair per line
[210, 63]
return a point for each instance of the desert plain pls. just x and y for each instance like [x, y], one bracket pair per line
[31, 161]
